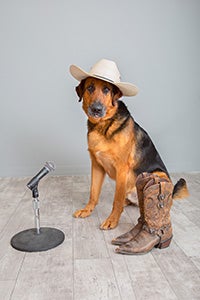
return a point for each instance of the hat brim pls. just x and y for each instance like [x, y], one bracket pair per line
[127, 89]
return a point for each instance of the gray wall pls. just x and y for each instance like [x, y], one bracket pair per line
[156, 45]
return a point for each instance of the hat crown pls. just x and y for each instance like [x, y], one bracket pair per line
[106, 69]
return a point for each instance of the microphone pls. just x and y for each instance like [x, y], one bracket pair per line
[33, 183]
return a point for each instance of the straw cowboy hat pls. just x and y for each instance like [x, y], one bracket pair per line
[106, 70]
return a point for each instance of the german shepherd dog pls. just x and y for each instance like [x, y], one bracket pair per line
[118, 146]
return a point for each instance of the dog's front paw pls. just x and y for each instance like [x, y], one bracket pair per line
[82, 213]
[109, 224]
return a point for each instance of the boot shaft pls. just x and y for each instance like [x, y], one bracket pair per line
[157, 204]
[141, 181]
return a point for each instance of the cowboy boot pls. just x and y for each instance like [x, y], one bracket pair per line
[141, 181]
[156, 230]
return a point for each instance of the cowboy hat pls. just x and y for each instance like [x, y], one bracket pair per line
[105, 70]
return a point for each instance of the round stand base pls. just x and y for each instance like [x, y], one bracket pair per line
[30, 241]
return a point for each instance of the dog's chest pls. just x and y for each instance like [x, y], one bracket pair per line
[104, 152]
[107, 163]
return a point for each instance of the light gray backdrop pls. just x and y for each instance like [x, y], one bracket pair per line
[156, 45]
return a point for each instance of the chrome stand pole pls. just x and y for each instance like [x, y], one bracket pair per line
[36, 208]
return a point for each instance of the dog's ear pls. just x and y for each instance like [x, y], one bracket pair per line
[80, 89]
[116, 94]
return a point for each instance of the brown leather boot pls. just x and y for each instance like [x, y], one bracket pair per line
[156, 230]
[141, 181]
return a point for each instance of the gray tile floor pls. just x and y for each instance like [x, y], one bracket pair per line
[85, 265]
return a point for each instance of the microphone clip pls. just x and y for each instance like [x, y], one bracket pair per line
[35, 193]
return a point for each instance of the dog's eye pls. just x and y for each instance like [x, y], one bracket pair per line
[106, 90]
[90, 88]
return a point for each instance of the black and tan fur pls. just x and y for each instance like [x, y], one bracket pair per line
[118, 146]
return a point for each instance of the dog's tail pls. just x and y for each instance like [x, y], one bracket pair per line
[180, 190]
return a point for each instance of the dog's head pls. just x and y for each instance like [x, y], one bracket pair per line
[99, 98]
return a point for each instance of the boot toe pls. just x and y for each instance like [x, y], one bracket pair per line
[143, 243]
[117, 242]
[128, 248]
[128, 236]
[122, 239]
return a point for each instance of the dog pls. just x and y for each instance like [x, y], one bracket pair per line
[118, 147]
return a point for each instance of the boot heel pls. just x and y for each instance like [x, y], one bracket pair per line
[164, 244]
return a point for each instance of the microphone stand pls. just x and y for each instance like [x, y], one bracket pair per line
[36, 208]
[38, 238]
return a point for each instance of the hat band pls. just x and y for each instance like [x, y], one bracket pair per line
[102, 77]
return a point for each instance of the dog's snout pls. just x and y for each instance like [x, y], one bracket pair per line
[96, 109]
